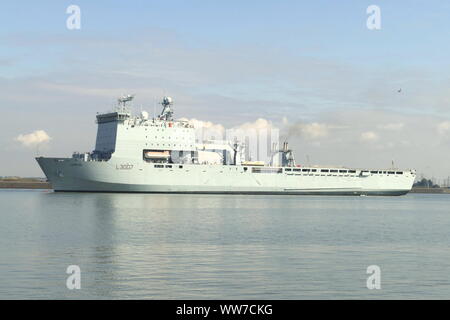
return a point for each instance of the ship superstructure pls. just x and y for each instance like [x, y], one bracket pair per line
[160, 154]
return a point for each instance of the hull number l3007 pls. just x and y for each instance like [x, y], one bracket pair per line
[126, 166]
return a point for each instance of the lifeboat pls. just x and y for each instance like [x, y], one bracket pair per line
[156, 154]
[253, 163]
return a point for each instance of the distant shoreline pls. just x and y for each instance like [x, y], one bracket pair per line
[24, 183]
[431, 190]
[30, 183]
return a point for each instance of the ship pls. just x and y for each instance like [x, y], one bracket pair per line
[136, 153]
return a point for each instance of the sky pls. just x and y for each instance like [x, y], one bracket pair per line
[342, 94]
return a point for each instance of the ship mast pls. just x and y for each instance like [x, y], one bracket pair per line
[167, 112]
[287, 156]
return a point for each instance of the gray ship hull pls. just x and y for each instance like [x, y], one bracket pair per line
[125, 175]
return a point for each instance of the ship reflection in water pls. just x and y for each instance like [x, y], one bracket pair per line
[154, 246]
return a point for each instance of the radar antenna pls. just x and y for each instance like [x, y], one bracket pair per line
[124, 99]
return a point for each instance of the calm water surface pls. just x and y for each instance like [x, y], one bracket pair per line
[144, 246]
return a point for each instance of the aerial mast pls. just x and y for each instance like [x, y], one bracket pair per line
[167, 112]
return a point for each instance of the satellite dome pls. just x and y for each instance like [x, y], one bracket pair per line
[144, 115]
[167, 100]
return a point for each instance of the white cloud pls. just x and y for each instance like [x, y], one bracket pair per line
[443, 128]
[314, 130]
[205, 130]
[369, 136]
[32, 139]
[208, 125]
[208, 129]
[257, 124]
[200, 124]
[392, 126]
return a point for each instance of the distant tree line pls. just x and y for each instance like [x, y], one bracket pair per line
[425, 183]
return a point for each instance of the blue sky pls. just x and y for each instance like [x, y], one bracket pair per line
[329, 29]
[232, 62]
